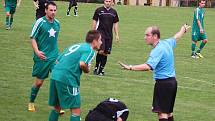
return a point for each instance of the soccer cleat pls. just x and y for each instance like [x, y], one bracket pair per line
[199, 55]
[8, 28]
[62, 112]
[75, 15]
[31, 107]
[101, 73]
[67, 14]
[194, 56]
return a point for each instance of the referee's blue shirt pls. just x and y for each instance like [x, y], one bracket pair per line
[161, 59]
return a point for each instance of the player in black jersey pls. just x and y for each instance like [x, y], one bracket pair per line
[105, 19]
[108, 110]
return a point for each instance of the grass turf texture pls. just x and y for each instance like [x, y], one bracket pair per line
[196, 91]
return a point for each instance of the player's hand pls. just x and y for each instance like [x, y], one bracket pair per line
[201, 31]
[124, 66]
[117, 38]
[186, 27]
[41, 55]
[36, 6]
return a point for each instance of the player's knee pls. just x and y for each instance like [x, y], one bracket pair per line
[7, 14]
[76, 111]
[194, 42]
[163, 115]
[205, 41]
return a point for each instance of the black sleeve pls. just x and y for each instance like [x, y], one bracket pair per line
[96, 15]
[116, 18]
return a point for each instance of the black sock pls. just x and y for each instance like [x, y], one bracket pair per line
[68, 10]
[163, 119]
[98, 60]
[75, 10]
[103, 63]
[170, 118]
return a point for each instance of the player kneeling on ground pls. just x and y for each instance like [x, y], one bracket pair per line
[108, 110]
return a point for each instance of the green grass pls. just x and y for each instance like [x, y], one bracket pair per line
[196, 91]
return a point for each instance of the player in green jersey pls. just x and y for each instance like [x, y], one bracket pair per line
[65, 78]
[198, 31]
[44, 37]
[10, 8]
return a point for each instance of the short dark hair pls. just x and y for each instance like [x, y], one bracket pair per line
[50, 3]
[91, 35]
[155, 31]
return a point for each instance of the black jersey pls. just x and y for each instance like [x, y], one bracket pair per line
[41, 11]
[106, 18]
[112, 109]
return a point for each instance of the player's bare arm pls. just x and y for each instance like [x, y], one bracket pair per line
[116, 30]
[39, 53]
[94, 25]
[84, 67]
[140, 67]
[200, 27]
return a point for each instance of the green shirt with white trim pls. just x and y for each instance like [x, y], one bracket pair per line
[198, 15]
[46, 36]
[68, 70]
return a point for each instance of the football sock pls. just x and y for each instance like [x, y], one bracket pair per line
[53, 116]
[34, 91]
[68, 10]
[163, 119]
[193, 47]
[7, 21]
[170, 118]
[104, 60]
[11, 20]
[201, 46]
[98, 60]
[74, 118]
[76, 10]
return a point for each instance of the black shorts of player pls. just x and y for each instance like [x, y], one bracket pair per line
[95, 115]
[40, 13]
[106, 45]
[72, 3]
[164, 95]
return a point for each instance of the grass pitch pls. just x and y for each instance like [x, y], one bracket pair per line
[196, 91]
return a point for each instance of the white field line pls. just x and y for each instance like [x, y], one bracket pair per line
[198, 80]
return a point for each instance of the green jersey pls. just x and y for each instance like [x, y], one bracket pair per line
[68, 70]
[10, 2]
[46, 36]
[198, 15]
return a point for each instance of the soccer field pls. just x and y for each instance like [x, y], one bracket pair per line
[195, 99]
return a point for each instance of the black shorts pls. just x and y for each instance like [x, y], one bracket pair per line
[72, 3]
[95, 115]
[164, 95]
[106, 45]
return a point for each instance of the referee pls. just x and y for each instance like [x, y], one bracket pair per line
[105, 19]
[161, 62]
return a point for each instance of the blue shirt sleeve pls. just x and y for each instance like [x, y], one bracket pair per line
[154, 58]
[171, 42]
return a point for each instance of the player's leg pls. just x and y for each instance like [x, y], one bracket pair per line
[12, 12]
[203, 37]
[99, 57]
[195, 38]
[102, 63]
[7, 20]
[162, 117]
[170, 117]
[40, 71]
[75, 114]
[75, 8]
[69, 7]
[107, 50]
[34, 91]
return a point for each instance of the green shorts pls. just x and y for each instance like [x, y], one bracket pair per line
[41, 68]
[199, 37]
[63, 95]
[11, 8]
